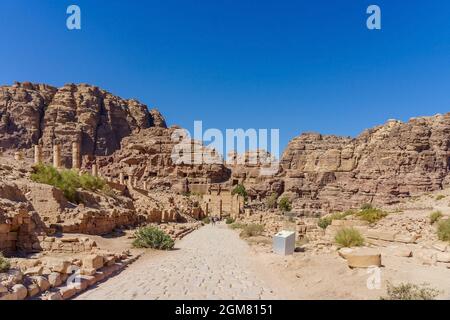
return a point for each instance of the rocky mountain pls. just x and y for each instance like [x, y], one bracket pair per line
[319, 173]
[35, 113]
[383, 165]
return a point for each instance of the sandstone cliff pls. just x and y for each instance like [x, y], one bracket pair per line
[320, 173]
[382, 165]
[33, 113]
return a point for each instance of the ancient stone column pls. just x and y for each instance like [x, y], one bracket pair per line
[135, 182]
[145, 185]
[121, 178]
[76, 155]
[220, 208]
[94, 170]
[57, 156]
[37, 154]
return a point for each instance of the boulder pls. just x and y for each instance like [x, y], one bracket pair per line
[440, 246]
[34, 271]
[54, 279]
[443, 257]
[20, 290]
[381, 235]
[42, 282]
[54, 296]
[67, 292]
[363, 259]
[93, 261]
[33, 290]
[3, 289]
[60, 266]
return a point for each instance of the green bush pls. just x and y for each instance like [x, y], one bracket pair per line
[408, 291]
[324, 222]
[151, 237]
[4, 264]
[237, 225]
[240, 190]
[229, 220]
[252, 230]
[68, 181]
[271, 201]
[444, 230]
[435, 217]
[371, 215]
[327, 220]
[206, 220]
[349, 237]
[285, 204]
[91, 183]
[440, 197]
[366, 206]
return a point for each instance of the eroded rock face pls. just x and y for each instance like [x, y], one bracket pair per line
[382, 165]
[30, 113]
[147, 156]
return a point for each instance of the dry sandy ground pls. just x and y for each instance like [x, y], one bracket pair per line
[214, 263]
[327, 276]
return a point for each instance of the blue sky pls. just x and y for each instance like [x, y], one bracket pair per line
[294, 65]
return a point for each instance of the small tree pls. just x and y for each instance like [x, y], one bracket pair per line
[271, 201]
[151, 237]
[435, 217]
[240, 190]
[285, 204]
[4, 264]
[444, 230]
[349, 237]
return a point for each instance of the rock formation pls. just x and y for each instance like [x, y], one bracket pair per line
[320, 173]
[34, 113]
[382, 165]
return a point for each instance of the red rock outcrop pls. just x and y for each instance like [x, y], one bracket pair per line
[147, 156]
[382, 165]
[33, 113]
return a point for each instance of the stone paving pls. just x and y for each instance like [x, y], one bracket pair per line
[210, 263]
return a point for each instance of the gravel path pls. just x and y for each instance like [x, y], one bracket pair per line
[210, 263]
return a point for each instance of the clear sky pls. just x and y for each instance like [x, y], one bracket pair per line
[294, 65]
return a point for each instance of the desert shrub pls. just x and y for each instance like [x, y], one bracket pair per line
[91, 183]
[366, 206]
[324, 222]
[237, 225]
[349, 237]
[206, 220]
[271, 201]
[229, 220]
[408, 291]
[444, 230]
[46, 174]
[285, 204]
[435, 217]
[108, 191]
[440, 197]
[371, 215]
[252, 230]
[68, 181]
[4, 264]
[151, 237]
[69, 184]
[240, 190]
